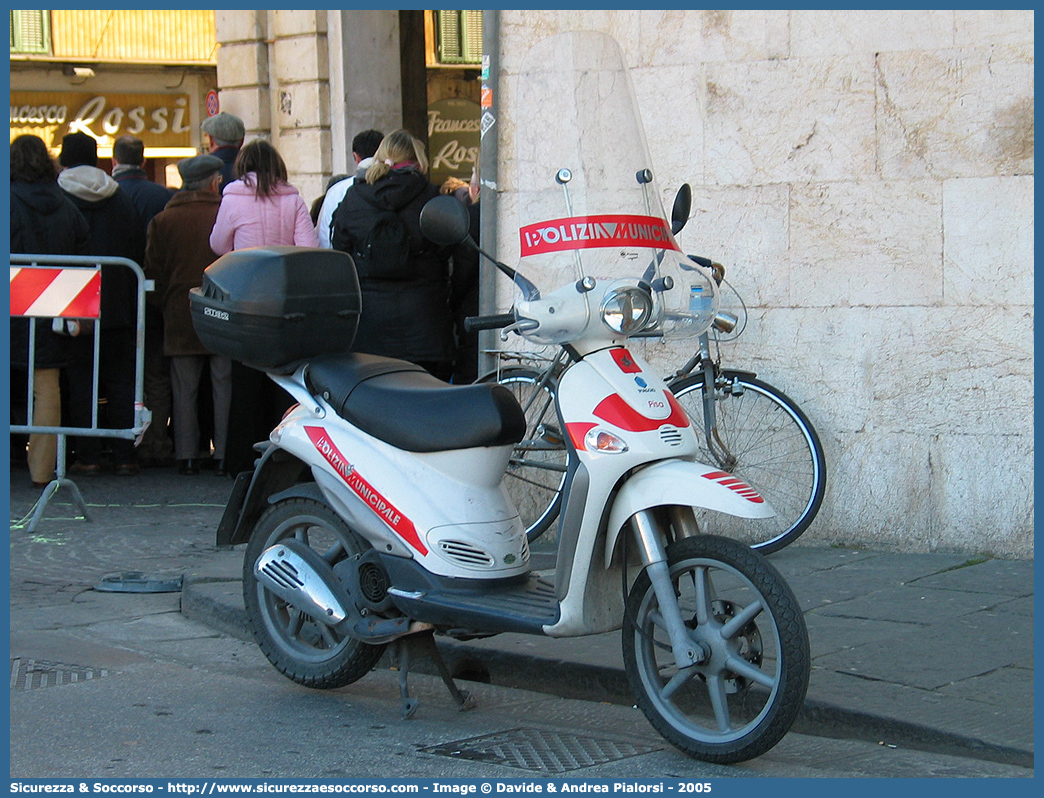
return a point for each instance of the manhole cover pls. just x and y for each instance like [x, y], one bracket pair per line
[138, 582]
[540, 750]
[31, 674]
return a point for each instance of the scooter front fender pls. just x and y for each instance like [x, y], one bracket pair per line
[685, 483]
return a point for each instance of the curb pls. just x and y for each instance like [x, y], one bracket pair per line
[219, 606]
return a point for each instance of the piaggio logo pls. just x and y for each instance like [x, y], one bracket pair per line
[643, 386]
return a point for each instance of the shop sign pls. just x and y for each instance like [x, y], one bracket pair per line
[160, 120]
[454, 132]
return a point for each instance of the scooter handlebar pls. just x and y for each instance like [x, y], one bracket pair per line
[495, 322]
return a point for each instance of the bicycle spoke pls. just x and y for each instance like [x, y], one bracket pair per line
[543, 465]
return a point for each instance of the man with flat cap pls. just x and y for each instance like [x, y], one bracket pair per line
[177, 252]
[225, 133]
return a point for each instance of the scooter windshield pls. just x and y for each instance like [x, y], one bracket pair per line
[588, 201]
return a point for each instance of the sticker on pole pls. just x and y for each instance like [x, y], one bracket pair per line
[55, 292]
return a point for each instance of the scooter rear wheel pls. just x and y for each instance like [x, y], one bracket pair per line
[746, 693]
[302, 649]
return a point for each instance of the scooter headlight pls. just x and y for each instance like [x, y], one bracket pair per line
[627, 310]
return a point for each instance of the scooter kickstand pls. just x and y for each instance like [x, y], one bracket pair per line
[401, 658]
[462, 698]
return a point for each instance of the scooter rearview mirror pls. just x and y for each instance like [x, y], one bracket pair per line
[682, 208]
[444, 220]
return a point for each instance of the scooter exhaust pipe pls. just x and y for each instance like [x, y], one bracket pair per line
[295, 573]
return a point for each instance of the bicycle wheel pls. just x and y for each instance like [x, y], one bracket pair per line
[537, 470]
[769, 443]
[747, 691]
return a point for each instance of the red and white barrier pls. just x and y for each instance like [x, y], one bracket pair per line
[55, 292]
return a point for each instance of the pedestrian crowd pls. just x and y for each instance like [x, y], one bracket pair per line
[208, 410]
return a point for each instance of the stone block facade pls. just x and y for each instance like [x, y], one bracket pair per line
[867, 179]
[865, 176]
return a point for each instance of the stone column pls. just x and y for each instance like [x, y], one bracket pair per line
[309, 81]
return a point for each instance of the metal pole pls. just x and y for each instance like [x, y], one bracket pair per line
[488, 194]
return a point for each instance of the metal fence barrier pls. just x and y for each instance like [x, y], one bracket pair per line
[69, 287]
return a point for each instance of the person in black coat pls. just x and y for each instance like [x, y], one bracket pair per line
[148, 198]
[115, 231]
[43, 222]
[128, 162]
[406, 313]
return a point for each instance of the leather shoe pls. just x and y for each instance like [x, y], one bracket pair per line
[127, 469]
[189, 467]
[220, 468]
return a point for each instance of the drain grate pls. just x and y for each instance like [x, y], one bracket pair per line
[32, 674]
[540, 750]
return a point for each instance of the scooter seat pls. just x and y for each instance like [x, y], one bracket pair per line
[403, 405]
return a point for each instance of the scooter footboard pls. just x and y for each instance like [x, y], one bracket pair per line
[685, 483]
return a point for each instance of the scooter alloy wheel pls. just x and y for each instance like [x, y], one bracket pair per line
[744, 695]
[302, 649]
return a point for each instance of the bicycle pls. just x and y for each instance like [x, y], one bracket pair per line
[745, 425]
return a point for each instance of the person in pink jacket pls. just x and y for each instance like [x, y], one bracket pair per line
[260, 208]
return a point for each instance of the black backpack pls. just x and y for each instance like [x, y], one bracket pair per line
[386, 251]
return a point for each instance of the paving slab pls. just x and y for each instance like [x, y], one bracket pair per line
[934, 649]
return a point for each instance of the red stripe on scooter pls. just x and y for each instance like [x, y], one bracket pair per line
[615, 410]
[385, 510]
[578, 431]
[738, 486]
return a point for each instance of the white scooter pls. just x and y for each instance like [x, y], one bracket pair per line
[375, 514]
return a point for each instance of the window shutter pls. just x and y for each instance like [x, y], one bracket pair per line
[30, 32]
[459, 37]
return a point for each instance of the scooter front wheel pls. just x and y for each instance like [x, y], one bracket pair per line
[746, 692]
[302, 649]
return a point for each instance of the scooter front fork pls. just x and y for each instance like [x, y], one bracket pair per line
[686, 651]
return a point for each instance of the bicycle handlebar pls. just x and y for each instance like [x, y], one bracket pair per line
[707, 263]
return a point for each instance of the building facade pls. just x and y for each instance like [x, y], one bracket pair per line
[865, 176]
[110, 73]
[310, 80]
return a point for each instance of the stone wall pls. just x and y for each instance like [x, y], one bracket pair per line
[867, 179]
[308, 81]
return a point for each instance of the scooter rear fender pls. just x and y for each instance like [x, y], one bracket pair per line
[276, 472]
[685, 483]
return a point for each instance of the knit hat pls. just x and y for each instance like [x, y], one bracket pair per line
[225, 127]
[78, 149]
[199, 167]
